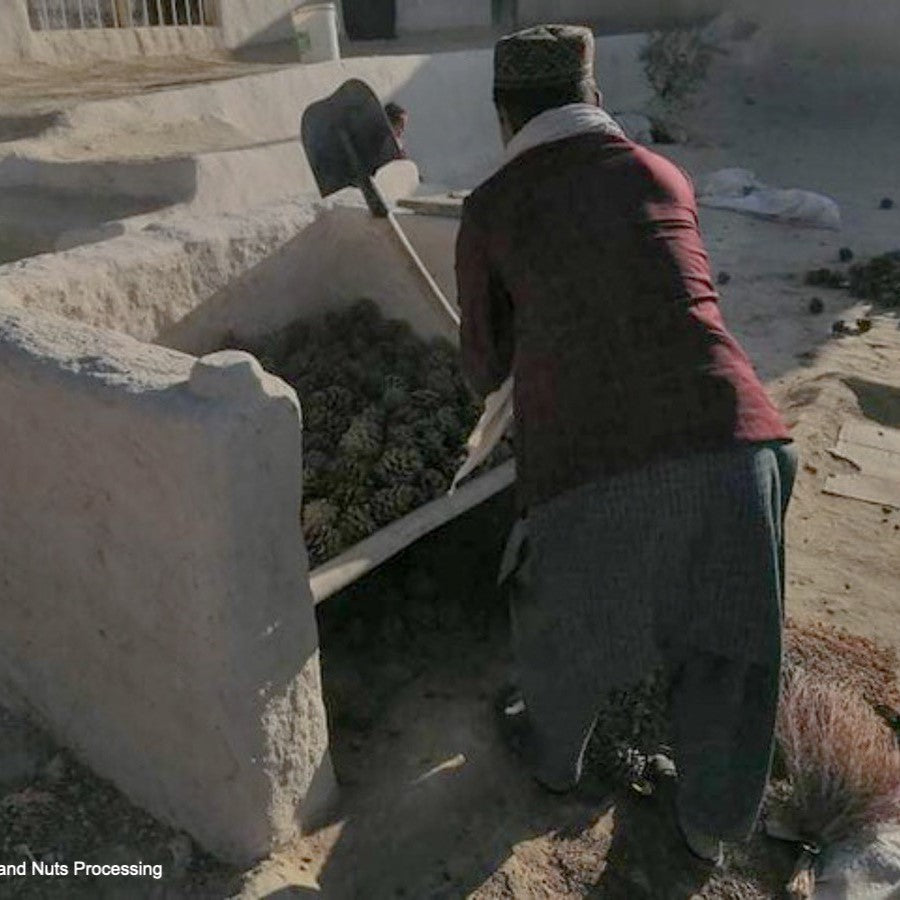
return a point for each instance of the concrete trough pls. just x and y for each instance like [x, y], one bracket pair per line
[159, 610]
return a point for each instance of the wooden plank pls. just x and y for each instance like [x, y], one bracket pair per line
[340, 572]
[444, 205]
[881, 491]
[870, 460]
[868, 435]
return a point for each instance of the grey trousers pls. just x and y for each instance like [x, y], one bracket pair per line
[722, 705]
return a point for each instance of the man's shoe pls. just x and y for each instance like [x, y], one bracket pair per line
[515, 730]
[706, 848]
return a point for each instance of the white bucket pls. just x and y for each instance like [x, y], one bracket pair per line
[316, 32]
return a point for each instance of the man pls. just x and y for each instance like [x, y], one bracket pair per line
[399, 118]
[653, 470]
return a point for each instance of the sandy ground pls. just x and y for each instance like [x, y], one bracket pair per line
[432, 805]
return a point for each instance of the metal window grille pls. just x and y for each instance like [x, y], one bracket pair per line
[47, 15]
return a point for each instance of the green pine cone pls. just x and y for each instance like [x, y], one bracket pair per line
[362, 440]
[426, 400]
[434, 483]
[392, 503]
[325, 545]
[394, 393]
[357, 523]
[400, 435]
[318, 516]
[448, 421]
[398, 465]
[442, 382]
[339, 398]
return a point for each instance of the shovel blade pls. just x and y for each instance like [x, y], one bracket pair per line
[354, 114]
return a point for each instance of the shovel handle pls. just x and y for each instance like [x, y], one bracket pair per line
[379, 208]
[444, 306]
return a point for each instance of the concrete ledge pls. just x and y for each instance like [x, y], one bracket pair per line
[157, 615]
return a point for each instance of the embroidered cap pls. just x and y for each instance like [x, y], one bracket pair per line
[544, 56]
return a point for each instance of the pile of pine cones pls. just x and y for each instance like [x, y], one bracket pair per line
[877, 279]
[385, 420]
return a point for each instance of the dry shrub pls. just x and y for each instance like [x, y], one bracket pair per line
[843, 763]
[836, 656]
[676, 64]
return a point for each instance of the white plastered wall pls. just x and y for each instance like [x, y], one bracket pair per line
[861, 33]
[157, 616]
[432, 15]
[15, 32]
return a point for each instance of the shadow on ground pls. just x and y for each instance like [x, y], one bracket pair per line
[433, 806]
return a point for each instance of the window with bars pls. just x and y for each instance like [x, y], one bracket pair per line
[47, 15]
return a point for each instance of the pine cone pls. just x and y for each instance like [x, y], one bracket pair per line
[434, 483]
[394, 392]
[325, 545]
[315, 473]
[400, 435]
[399, 465]
[426, 400]
[365, 316]
[348, 474]
[448, 421]
[431, 443]
[318, 515]
[356, 524]
[442, 382]
[442, 354]
[362, 440]
[392, 503]
[338, 398]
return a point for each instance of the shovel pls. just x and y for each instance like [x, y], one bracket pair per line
[347, 138]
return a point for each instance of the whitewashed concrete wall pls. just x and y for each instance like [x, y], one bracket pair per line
[245, 22]
[861, 33]
[344, 256]
[452, 135]
[187, 286]
[15, 31]
[81, 45]
[240, 23]
[156, 611]
[432, 15]
[620, 15]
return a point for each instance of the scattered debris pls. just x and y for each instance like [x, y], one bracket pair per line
[886, 203]
[816, 306]
[723, 278]
[845, 254]
[840, 327]
[830, 278]
[878, 280]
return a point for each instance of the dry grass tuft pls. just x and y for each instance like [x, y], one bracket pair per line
[843, 763]
[835, 656]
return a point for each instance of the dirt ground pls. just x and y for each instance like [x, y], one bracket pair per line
[432, 806]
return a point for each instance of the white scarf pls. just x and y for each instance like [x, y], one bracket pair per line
[559, 124]
[546, 128]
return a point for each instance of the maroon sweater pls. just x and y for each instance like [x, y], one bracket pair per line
[581, 270]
